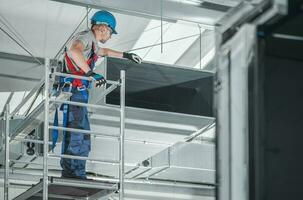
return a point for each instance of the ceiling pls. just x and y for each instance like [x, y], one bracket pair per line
[42, 27]
[34, 29]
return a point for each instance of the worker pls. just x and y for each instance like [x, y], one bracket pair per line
[80, 59]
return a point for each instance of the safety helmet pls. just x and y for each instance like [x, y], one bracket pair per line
[104, 17]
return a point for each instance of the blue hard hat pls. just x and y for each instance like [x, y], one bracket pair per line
[105, 17]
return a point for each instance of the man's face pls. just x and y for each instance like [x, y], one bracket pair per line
[102, 32]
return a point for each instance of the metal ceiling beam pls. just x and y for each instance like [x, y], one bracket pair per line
[241, 14]
[22, 58]
[20, 45]
[15, 75]
[19, 77]
[172, 10]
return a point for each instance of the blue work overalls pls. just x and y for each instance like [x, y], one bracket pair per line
[75, 143]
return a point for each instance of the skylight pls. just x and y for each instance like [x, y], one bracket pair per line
[206, 59]
[177, 38]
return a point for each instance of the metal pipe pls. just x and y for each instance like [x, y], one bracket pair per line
[136, 38]
[83, 78]
[170, 41]
[84, 158]
[46, 130]
[87, 11]
[288, 37]
[29, 163]
[30, 140]
[199, 132]
[82, 131]
[200, 46]
[108, 90]
[84, 104]
[122, 133]
[33, 101]
[6, 175]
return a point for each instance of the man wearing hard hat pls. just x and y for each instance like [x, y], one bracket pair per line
[80, 60]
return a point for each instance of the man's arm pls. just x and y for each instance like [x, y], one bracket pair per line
[76, 53]
[109, 52]
[118, 54]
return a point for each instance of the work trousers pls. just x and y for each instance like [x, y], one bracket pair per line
[75, 143]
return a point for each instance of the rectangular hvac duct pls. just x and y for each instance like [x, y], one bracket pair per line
[163, 87]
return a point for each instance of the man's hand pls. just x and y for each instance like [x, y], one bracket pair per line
[100, 80]
[133, 57]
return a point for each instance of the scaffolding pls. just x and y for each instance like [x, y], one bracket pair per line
[160, 170]
[47, 181]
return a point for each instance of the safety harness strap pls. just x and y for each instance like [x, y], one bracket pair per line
[78, 84]
[65, 108]
[55, 132]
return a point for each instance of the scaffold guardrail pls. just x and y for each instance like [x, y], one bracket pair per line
[46, 82]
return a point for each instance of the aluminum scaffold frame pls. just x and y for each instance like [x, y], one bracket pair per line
[6, 174]
[47, 127]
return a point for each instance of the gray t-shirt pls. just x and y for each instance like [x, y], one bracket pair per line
[87, 38]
